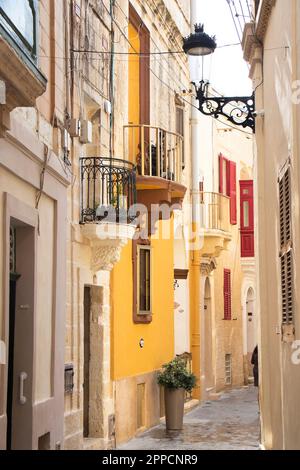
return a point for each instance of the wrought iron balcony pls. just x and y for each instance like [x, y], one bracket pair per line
[108, 190]
[215, 211]
[156, 152]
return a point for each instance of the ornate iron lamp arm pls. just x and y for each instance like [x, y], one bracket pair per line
[239, 110]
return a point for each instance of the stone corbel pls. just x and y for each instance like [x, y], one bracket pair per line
[207, 266]
[107, 241]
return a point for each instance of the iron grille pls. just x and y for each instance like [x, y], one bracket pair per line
[108, 190]
[228, 369]
[69, 378]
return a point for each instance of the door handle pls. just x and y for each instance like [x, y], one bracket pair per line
[22, 398]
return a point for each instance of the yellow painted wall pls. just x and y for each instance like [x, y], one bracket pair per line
[128, 358]
[194, 279]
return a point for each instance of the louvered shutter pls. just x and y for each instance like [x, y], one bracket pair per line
[231, 192]
[227, 294]
[286, 253]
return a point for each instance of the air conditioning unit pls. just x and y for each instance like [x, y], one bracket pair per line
[74, 127]
[86, 132]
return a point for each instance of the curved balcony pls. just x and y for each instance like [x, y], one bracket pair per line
[108, 189]
[158, 156]
[215, 223]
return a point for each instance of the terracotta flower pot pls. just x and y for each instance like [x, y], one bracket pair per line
[174, 407]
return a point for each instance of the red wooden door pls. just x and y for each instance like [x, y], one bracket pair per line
[247, 219]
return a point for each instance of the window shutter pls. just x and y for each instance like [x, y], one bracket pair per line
[247, 219]
[221, 158]
[227, 294]
[286, 252]
[231, 175]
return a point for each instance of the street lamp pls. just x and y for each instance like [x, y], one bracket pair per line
[239, 110]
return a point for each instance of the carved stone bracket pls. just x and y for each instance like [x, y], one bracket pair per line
[107, 241]
[207, 266]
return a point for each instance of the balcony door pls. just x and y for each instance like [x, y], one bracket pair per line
[139, 84]
[247, 219]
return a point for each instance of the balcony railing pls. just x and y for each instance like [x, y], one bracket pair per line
[154, 151]
[215, 211]
[108, 190]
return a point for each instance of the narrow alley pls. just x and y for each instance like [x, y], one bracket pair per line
[230, 423]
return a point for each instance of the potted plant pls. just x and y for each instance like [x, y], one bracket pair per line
[176, 380]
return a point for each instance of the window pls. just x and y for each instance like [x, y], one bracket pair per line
[227, 184]
[247, 219]
[227, 294]
[286, 251]
[142, 299]
[144, 305]
[228, 369]
[19, 19]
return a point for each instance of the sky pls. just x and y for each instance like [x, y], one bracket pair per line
[226, 69]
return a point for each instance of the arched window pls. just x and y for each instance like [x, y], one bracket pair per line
[18, 18]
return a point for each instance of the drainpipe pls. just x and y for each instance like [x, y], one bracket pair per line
[195, 279]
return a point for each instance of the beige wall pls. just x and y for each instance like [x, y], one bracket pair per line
[227, 337]
[277, 140]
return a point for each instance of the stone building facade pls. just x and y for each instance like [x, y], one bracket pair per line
[34, 179]
[271, 46]
[228, 281]
[132, 103]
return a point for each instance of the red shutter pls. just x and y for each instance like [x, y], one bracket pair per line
[231, 192]
[247, 231]
[227, 294]
[221, 158]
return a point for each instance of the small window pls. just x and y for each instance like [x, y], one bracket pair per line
[227, 294]
[246, 222]
[180, 131]
[19, 20]
[69, 378]
[144, 280]
[228, 369]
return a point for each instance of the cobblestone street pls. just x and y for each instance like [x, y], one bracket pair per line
[230, 423]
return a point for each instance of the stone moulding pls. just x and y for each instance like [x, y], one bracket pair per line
[263, 17]
[106, 241]
[254, 33]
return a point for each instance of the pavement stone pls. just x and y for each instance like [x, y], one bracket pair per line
[230, 423]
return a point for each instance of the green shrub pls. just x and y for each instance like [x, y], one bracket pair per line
[175, 375]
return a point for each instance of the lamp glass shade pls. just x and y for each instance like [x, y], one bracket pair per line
[199, 43]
